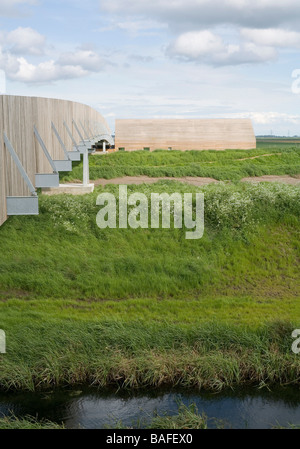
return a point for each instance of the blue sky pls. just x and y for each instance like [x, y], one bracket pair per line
[167, 58]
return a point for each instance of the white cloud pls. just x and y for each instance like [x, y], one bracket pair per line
[196, 14]
[272, 37]
[196, 44]
[69, 65]
[208, 48]
[10, 8]
[25, 41]
[261, 26]
[86, 59]
[136, 26]
[269, 118]
[17, 44]
[141, 58]
[45, 72]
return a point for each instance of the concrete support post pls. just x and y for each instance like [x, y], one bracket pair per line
[104, 147]
[86, 174]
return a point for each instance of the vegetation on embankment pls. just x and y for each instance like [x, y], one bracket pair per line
[147, 307]
[187, 417]
[45, 351]
[27, 423]
[221, 165]
[250, 247]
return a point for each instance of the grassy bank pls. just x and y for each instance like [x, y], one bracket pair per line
[187, 417]
[267, 159]
[250, 247]
[27, 423]
[48, 352]
[147, 307]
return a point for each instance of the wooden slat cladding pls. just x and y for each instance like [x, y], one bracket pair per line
[2, 183]
[18, 115]
[185, 134]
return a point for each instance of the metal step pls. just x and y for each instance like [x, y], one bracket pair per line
[74, 155]
[82, 148]
[22, 205]
[46, 180]
[63, 165]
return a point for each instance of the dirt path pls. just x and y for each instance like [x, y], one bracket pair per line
[247, 158]
[286, 179]
[196, 181]
[257, 157]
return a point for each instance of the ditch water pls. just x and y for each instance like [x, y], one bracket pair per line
[92, 408]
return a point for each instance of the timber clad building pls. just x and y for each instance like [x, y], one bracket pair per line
[40, 137]
[185, 134]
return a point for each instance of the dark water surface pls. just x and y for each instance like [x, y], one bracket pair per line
[92, 408]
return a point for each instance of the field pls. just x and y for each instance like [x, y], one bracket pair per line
[270, 158]
[146, 307]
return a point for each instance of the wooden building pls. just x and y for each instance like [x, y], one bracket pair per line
[185, 134]
[38, 138]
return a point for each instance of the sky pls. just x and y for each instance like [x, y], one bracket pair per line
[158, 58]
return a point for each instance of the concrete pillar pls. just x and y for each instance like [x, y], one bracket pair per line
[86, 171]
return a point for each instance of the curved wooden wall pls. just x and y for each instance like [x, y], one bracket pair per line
[2, 189]
[18, 116]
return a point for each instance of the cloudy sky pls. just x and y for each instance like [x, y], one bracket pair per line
[159, 58]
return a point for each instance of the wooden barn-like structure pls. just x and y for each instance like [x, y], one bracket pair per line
[184, 134]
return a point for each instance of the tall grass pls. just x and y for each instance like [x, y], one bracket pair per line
[147, 307]
[62, 253]
[212, 356]
[221, 165]
[27, 423]
[187, 417]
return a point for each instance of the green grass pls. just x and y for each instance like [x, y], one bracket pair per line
[270, 159]
[187, 417]
[289, 427]
[63, 254]
[45, 352]
[28, 423]
[147, 307]
[235, 310]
